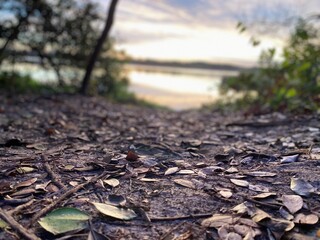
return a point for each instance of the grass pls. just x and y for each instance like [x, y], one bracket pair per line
[16, 83]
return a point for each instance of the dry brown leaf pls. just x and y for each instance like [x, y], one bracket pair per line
[306, 219]
[301, 187]
[112, 182]
[232, 170]
[261, 174]
[218, 220]
[260, 215]
[292, 202]
[186, 172]
[258, 188]
[26, 183]
[241, 183]
[185, 183]
[226, 193]
[171, 170]
[264, 195]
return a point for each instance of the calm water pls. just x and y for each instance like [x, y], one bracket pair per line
[176, 88]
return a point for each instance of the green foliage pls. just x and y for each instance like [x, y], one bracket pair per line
[293, 83]
[14, 82]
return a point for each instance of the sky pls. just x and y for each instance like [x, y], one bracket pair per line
[202, 30]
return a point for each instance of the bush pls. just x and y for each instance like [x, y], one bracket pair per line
[291, 84]
[15, 82]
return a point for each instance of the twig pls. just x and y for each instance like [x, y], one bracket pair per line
[202, 215]
[63, 197]
[165, 235]
[310, 149]
[17, 226]
[19, 208]
[53, 175]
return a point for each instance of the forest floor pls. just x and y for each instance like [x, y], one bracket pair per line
[158, 174]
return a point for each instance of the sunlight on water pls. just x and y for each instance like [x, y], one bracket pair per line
[176, 90]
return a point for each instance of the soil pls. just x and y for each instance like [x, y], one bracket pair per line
[174, 169]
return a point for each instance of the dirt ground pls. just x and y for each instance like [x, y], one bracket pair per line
[181, 173]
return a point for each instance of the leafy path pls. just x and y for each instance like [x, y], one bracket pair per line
[154, 174]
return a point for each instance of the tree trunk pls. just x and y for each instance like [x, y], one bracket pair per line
[97, 49]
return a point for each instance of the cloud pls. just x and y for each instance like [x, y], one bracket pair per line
[204, 29]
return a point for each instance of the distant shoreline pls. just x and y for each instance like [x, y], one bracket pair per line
[188, 65]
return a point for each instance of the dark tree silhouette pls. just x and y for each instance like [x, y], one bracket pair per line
[98, 47]
[31, 6]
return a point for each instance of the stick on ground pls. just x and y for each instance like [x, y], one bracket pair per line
[63, 197]
[17, 226]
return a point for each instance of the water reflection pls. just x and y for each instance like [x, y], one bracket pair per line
[177, 89]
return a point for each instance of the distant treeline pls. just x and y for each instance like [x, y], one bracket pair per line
[198, 65]
[32, 57]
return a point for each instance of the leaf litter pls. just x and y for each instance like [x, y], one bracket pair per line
[171, 171]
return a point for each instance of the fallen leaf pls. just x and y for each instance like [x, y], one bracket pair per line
[309, 219]
[285, 214]
[64, 220]
[185, 183]
[3, 224]
[261, 174]
[292, 202]
[258, 188]
[289, 159]
[241, 183]
[26, 191]
[301, 187]
[74, 183]
[240, 208]
[69, 167]
[42, 186]
[211, 170]
[26, 183]
[218, 220]
[278, 226]
[115, 212]
[23, 170]
[186, 172]
[259, 215]
[112, 182]
[264, 195]
[149, 179]
[232, 170]
[225, 193]
[171, 170]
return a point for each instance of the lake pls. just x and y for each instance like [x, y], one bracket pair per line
[172, 87]
[176, 88]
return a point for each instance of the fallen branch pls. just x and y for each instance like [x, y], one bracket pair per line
[63, 197]
[17, 226]
[53, 175]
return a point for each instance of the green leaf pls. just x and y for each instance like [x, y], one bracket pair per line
[3, 224]
[115, 212]
[64, 220]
